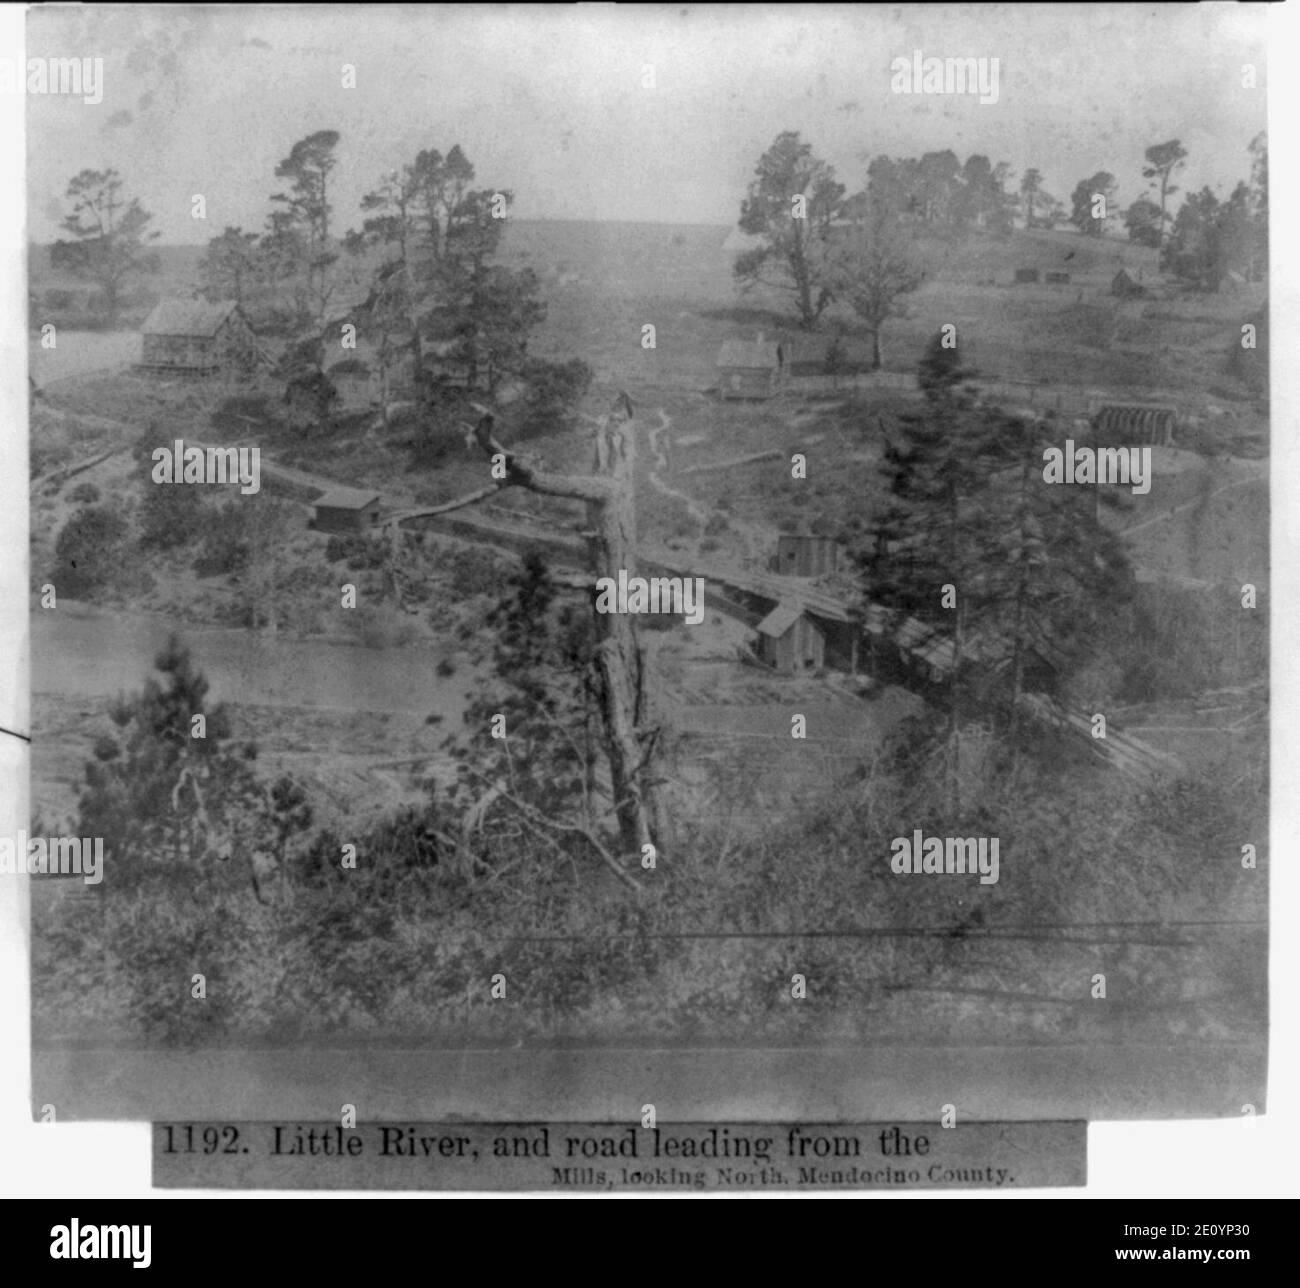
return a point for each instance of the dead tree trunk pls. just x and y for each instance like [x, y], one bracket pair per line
[611, 508]
[613, 549]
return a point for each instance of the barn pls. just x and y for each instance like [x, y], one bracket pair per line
[790, 640]
[346, 509]
[199, 338]
[750, 368]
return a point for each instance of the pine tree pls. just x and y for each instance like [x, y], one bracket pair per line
[546, 693]
[1055, 571]
[158, 795]
[936, 529]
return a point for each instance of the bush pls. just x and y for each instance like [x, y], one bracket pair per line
[170, 516]
[337, 548]
[359, 550]
[224, 548]
[88, 552]
[84, 494]
[435, 443]
[446, 668]
[474, 572]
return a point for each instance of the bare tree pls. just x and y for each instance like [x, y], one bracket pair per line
[608, 494]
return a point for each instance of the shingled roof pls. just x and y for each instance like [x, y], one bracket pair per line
[188, 317]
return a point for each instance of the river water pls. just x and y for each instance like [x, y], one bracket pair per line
[78, 650]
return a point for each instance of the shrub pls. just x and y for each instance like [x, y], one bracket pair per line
[84, 494]
[474, 572]
[358, 550]
[336, 548]
[88, 552]
[435, 443]
[446, 668]
[225, 547]
[170, 517]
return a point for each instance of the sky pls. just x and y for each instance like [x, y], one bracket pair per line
[551, 102]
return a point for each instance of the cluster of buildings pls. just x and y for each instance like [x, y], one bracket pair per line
[200, 338]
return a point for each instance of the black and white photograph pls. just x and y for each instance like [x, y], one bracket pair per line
[692, 579]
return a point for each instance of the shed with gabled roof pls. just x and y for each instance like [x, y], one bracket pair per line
[346, 509]
[790, 640]
[750, 368]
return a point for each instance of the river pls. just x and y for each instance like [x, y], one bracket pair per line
[79, 650]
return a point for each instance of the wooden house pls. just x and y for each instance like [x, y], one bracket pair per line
[346, 509]
[195, 337]
[750, 368]
[791, 640]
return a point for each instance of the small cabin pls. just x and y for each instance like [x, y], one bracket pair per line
[1025, 275]
[791, 641]
[346, 509]
[198, 338]
[750, 368]
[1058, 279]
